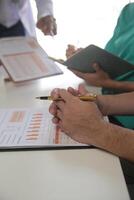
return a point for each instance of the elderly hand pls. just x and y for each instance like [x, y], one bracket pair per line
[55, 95]
[47, 25]
[99, 78]
[80, 120]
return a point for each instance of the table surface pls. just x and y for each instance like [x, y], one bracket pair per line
[55, 174]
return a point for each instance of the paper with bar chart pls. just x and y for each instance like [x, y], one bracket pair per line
[24, 59]
[30, 128]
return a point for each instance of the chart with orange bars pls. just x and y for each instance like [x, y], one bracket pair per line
[29, 128]
[24, 59]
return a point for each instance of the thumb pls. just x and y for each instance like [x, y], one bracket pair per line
[96, 67]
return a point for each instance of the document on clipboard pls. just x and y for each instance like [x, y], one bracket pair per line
[24, 59]
[28, 128]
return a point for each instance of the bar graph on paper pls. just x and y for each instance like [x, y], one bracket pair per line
[29, 128]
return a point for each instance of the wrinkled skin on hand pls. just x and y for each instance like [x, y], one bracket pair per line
[80, 120]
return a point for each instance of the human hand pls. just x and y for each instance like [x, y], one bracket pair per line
[47, 25]
[99, 78]
[101, 100]
[80, 120]
[71, 50]
[55, 95]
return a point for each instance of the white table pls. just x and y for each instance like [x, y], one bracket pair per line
[55, 174]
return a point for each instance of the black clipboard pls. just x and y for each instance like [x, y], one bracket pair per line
[84, 59]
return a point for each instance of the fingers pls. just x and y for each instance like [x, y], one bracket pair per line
[73, 91]
[60, 105]
[59, 114]
[54, 30]
[97, 67]
[55, 120]
[65, 95]
[57, 107]
[46, 29]
[47, 25]
[82, 90]
[71, 47]
[55, 94]
[53, 109]
[71, 50]
[56, 111]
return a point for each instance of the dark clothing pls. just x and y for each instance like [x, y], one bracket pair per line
[128, 170]
[13, 31]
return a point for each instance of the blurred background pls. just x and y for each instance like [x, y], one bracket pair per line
[80, 22]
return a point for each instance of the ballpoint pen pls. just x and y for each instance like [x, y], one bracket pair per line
[91, 97]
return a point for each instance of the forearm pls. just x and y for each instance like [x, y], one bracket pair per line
[117, 140]
[120, 85]
[121, 104]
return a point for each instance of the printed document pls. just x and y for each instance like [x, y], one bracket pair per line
[24, 59]
[30, 128]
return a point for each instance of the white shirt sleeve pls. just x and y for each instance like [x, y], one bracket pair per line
[44, 7]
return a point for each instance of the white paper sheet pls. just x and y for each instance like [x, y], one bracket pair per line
[25, 60]
[30, 128]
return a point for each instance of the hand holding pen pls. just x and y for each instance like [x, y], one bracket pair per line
[82, 95]
[91, 97]
[70, 109]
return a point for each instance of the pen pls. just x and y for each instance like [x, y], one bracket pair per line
[54, 59]
[51, 33]
[92, 97]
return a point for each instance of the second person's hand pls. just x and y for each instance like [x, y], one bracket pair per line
[99, 78]
[47, 25]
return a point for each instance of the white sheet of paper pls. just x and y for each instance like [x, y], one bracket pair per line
[30, 128]
[24, 59]
[13, 45]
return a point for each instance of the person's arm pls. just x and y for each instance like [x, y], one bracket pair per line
[45, 19]
[101, 79]
[83, 122]
[120, 85]
[115, 139]
[120, 104]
